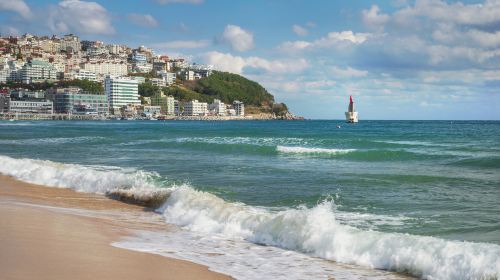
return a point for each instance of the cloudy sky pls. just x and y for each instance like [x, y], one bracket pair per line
[423, 59]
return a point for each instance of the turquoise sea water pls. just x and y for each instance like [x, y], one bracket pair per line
[438, 179]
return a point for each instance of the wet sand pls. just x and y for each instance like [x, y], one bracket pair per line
[41, 237]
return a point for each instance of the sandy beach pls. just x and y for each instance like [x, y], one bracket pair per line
[44, 235]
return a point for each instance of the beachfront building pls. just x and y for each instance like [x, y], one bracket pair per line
[4, 102]
[177, 108]
[160, 99]
[239, 108]
[25, 94]
[37, 71]
[195, 108]
[151, 111]
[28, 106]
[217, 108]
[80, 103]
[121, 91]
[171, 103]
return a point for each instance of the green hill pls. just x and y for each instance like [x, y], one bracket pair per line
[225, 86]
[229, 87]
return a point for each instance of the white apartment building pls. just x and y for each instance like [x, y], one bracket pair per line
[37, 71]
[40, 107]
[82, 75]
[151, 111]
[168, 77]
[189, 75]
[103, 68]
[71, 41]
[114, 49]
[171, 105]
[195, 108]
[159, 82]
[121, 91]
[239, 108]
[217, 108]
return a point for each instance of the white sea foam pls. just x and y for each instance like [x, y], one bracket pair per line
[316, 231]
[46, 141]
[305, 150]
[244, 260]
[260, 141]
[93, 179]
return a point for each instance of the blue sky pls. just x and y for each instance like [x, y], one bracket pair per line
[400, 59]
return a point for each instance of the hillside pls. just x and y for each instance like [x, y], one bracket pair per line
[229, 87]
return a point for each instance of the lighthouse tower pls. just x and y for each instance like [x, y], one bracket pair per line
[351, 116]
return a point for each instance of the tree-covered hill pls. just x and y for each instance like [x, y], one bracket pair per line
[229, 87]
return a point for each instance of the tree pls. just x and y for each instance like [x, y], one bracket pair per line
[86, 85]
[147, 89]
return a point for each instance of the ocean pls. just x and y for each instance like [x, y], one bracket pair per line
[289, 199]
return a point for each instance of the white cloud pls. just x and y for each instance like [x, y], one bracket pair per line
[236, 64]
[143, 20]
[311, 24]
[80, 17]
[348, 72]
[323, 86]
[165, 2]
[472, 37]
[373, 18]
[299, 30]
[347, 36]
[456, 12]
[238, 38]
[332, 39]
[18, 6]
[194, 44]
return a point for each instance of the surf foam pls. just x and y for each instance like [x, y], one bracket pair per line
[317, 232]
[305, 150]
[130, 185]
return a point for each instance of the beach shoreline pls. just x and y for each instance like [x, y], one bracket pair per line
[54, 233]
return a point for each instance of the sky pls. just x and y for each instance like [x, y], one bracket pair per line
[399, 59]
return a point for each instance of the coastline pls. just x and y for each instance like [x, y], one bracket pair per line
[53, 233]
[55, 117]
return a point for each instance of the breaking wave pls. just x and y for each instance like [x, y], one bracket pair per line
[304, 150]
[129, 185]
[317, 231]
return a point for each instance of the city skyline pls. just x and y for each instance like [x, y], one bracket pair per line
[399, 59]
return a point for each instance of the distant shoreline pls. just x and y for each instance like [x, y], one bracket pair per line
[55, 117]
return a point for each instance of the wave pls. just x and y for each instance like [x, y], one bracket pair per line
[46, 141]
[129, 185]
[318, 231]
[305, 150]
